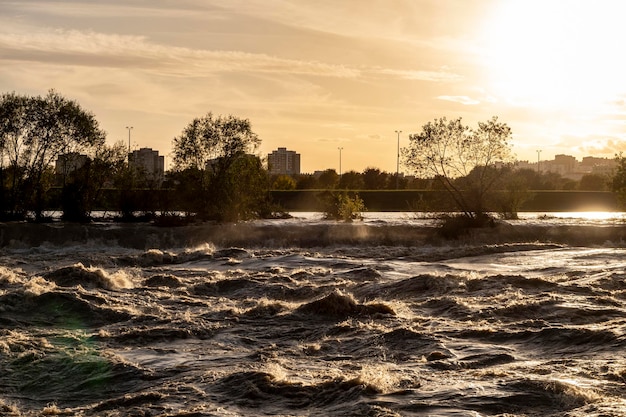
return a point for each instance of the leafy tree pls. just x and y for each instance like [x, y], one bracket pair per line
[306, 182]
[415, 183]
[351, 180]
[82, 187]
[211, 147]
[186, 185]
[544, 180]
[618, 183]
[284, 182]
[328, 179]
[593, 182]
[214, 141]
[555, 181]
[397, 182]
[138, 192]
[448, 150]
[530, 177]
[374, 179]
[34, 131]
[342, 206]
[512, 192]
[246, 189]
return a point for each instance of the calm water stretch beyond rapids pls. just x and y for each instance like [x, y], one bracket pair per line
[303, 317]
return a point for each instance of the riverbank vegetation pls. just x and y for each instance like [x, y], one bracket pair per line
[54, 157]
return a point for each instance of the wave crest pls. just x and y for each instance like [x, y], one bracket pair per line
[337, 305]
[78, 274]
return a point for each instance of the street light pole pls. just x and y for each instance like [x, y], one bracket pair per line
[538, 158]
[340, 149]
[129, 129]
[398, 159]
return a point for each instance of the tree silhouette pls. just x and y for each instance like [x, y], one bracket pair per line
[215, 151]
[34, 131]
[449, 150]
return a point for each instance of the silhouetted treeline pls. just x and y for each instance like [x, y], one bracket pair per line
[375, 179]
[105, 182]
[131, 194]
[147, 204]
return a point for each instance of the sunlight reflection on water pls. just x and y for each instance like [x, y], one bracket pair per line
[579, 217]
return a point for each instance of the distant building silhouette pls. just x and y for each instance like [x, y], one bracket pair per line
[600, 166]
[568, 167]
[149, 161]
[562, 164]
[282, 161]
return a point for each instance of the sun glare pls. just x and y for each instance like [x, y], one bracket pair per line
[555, 53]
[597, 216]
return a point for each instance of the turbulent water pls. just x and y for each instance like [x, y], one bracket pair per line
[298, 323]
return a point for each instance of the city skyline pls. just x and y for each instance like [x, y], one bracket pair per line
[330, 75]
[289, 163]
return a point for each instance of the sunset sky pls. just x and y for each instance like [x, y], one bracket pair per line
[314, 76]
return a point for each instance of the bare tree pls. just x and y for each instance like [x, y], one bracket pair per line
[464, 160]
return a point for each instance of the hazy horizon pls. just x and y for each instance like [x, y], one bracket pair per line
[315, 77]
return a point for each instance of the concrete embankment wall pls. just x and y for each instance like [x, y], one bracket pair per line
[143, 236]
[375, 200]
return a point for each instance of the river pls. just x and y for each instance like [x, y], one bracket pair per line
[314, 318]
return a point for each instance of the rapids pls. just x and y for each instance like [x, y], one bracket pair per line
[304, 317]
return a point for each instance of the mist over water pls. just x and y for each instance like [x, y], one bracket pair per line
[303, 317]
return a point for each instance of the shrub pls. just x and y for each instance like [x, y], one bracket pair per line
[342, 206]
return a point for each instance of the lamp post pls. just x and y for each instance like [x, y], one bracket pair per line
[398, 159]
[340, 149]
[129, 129]
[538, 158]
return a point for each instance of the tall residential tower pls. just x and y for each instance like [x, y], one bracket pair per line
[282, 161]
[149, 161]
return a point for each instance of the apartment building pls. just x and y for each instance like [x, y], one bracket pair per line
[149, 162]
[283, 161]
